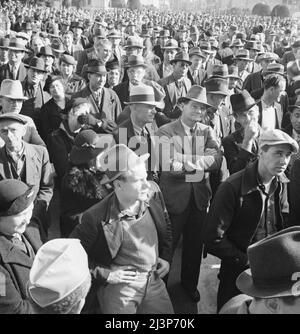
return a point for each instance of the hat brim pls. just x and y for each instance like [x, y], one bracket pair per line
[133, 46]
[245, 284]
[280, 142]
[234, 77]
[183, 99]
[274, 72]
[35, 68]
[197, 54]
[244, 110]
[184, 60]
[208, 51]
[135, 65]
[243, 58]
[44, 54]
[141, 159]
[219, 92]
[17, 49]
[290, 107]
[24, 98]
[58, 51]
[150, 103]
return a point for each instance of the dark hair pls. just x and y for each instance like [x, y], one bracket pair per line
[49, 81]
[272, 80]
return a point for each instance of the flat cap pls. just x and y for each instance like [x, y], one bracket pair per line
[277, 137]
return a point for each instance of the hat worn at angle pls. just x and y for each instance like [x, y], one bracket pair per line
[273, 263]
[59, 268]
[196, 51]
[88, 145]
[57, 46]
[119, 160]
[134, 42]
[37, 64]
[68, 59]
[277, 137]
[96, 66]
[171, 44]
[12, 89]
[274, 68]
[197, 94]
[243, 54]
[46, 51]
[219, 71]
[143, 94]
[17, 45]
[217, 86]
[181, 56]
[242, 102]
[15, 197]
[136, 60]
[233, 72]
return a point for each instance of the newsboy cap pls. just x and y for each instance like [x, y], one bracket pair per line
[277, 137]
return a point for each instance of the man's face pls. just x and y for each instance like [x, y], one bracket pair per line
[181, 68]
[12, 133]
[115, 41]
[265, 62]
[184, 47]
[66, 69]
[253, 54]
[48, 60]
[113, 77]
[194, 38]
[276, 159]
[11, 105]
[169, 54]
[133, 51]
[4, 55]
[57, 90]
[97, 81]
[15, 57]
[136, 74]
[242, 65]
[131, 29]
[275, 92]
[193, 111]
[295, 120]
[182, 35]
[77, 32]
[245, 118]
[145, 113]
[16, 224]
[35, 76]
[68, 40]
[37, 45]
[216, 100]
[232, 83]
[196, 62]
[104, 52]
[135, 187]
[163, 41]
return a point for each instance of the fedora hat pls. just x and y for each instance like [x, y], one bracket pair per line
[297, 103]
[206, 47]
[96, 66]
[12, 89]
[4, 43]
[15, 197]
[217, 86]
[134, 42]
[57, 46]
[219, 71]
[165, 33]
[252, 45]
[37, 64]
[242, 102]
[274, 68]
[196, 51]
[119, 160]
[88, 145]
[171, 44]
[143, 94]
[233, 72]
[237, 43]
[273, 263]
[17, 45]
[198, 94]
[46, 51]
[243, 54]
[181, 56]
[99, 32]
[268, 56]
[68, 59]
[135, 60]
[114, 33]
[296, 44]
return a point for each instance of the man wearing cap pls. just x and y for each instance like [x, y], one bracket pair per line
[128, 270]
[11, 100]
[270, 286]
[18, 246]
[242, 61]
[291, 55]
[170, 49]
[47, 55]
[14, 69]
[164, 36]
[256, 196]
[241, 147]
[253, 48]
[4, 42]
[105, 103]
[78, 38]
[175, 85]
[33, 90]
[185, 166]
[70, 47]
[26, 162]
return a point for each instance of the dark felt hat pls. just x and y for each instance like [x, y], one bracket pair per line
[217, 86]
[15, 197]
[96, 66]
[37, 64]
[181, 56]
[242, 102]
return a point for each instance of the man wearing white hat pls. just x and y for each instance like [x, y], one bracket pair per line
[59, 278]
[130, 248]
[11, 100]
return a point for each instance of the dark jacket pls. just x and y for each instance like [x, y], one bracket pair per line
[237, 158]
[60, 143]
[80, 189]
[253, 82]
[5, 73]
[14, 269]
[99, 231]
[231, 224]
[294, 191]
[51, 117]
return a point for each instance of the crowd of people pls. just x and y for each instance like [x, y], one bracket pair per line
[148, 128]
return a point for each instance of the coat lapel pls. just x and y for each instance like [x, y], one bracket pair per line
[30, 165]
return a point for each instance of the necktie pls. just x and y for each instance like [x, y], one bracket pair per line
[14, 72]
[19, 244]
[194, 144]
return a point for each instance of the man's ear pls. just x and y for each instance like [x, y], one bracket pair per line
[272, 305]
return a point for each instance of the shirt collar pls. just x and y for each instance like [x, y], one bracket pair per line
[187, 129]
[19, 154]
[137, 129]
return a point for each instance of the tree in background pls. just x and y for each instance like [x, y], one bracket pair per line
[280, 11]
[261, 9]
[134, 4]
[117, 3]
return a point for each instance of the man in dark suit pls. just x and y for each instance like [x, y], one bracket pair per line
[137, 132]
[130, 249]
[291, 55]
[189, 152]
[14, 69]
[170, 50]
[175, 85]
[196, 73]
[18, 246]
[28, 163]
[105, 104]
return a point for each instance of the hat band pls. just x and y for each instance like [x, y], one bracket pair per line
[96, 69]
[273, 282]
[142, 98]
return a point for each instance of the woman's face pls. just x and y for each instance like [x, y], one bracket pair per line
[57, 90]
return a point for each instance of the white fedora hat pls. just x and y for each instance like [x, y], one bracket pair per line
[142, 94]
[12, 89]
